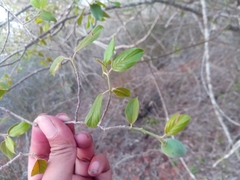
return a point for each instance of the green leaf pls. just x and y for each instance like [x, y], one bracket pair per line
[115, 3]
[122, 92]
[79, 20]
[176, 124]
[105, 14]
[132, 110]
[56, 65]
[93, 117]
[39, 167]
[47, 16]
[96, 11]
[126, 59]
[90, 38]
[18, 129]
[4, 119]
[5, 150]
[35, 3]
[173, 148]
[3, 89]
[43, 3]
[10, 144]
[109, 51]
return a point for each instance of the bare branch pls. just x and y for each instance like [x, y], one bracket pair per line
[8, 32]
[208, 72]
[15, 17]
[106, 109]
[159, 92]
[78, 94]
[17, 116]
[17, 14]
[235, 147]
[28, 76]
[11, 161]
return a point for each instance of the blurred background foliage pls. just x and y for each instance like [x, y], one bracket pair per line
[171, 33]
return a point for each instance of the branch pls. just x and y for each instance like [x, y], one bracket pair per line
[208, 72]
[106, 109]
[28, 76]
[190, 8]
[144, 38]
[8, 32]
[17, 14]
[78, 94]
[234, 148]
[17, 116]
[11, 161]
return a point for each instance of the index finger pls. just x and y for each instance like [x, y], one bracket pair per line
[40, 147]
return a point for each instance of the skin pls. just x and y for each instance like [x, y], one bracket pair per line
[70, 156]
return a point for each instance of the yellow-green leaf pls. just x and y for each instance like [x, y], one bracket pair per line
[109, 51]
[46, 26]
[121, 92]
[18, 129]
[132, 110]
[38, 20]
[79, 20]
[35, 3]
[93, 117]
[5, 150]
[56, 65]
[90, 37]
[39, 167]
[43, 3]
[176, 124]
[3, 89]
[4, 119]
[10, 144]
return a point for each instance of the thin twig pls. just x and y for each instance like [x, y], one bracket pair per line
[186, 167]
[208, 72]
[142, 39]
[26, 77]
[159, 92]
[234, 148]
[17, 14]
[15, 17]
[113, 127]
[11, 161]
[9, 56]
[17, 116]
[106, 108]
[8, 32]
[78, 95]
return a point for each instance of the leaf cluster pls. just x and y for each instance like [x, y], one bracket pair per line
[7, 146]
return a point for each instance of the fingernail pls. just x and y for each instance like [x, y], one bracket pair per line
[64, 117]
[47, 126]
[94, 168]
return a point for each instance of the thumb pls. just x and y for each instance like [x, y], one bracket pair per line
[62, 147]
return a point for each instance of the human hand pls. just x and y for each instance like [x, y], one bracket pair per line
[69, 156]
